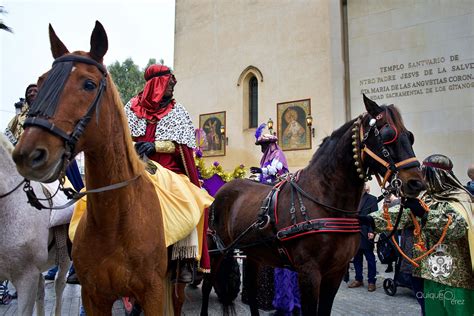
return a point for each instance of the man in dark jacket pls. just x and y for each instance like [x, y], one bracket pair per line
[367, 205]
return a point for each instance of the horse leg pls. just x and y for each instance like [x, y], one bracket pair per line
[329, 286]
[40, 296]
[96, 306]
[309, 288]
[60, 284]
[250, 284]
[206, 289]
[178, 297]
[27, 288]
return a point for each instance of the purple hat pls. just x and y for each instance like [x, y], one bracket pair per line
[264, 138]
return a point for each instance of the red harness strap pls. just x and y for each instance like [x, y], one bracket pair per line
[319, 225]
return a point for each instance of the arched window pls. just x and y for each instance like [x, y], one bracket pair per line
[249, 81]
[253, 102]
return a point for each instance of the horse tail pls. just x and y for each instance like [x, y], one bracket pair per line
[227, 283]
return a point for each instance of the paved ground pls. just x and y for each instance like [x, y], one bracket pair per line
[348, 301]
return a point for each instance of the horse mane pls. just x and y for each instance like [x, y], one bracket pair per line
[329, 142]
[395, 117]
[135, 161]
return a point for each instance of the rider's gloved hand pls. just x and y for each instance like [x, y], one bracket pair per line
[145, 148]
[415, 206]
[255, 170]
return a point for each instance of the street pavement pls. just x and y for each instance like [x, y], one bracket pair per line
[357, 301]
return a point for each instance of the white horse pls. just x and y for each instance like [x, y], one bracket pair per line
[25, 236]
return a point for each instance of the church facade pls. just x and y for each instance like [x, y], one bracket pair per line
[243, 63]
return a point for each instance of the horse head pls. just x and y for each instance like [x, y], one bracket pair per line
[384, 147]
[69, 94]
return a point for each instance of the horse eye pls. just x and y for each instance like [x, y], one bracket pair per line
[89, 85]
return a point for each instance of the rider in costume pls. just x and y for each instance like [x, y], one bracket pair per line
[163, 132]
[273, 162]
[285, 297]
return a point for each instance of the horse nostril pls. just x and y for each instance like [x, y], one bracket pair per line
[416, 185]
[38, 157]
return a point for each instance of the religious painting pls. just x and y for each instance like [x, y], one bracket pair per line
[213, 140]
[293, 133]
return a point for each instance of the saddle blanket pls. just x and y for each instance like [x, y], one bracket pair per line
[181, 202]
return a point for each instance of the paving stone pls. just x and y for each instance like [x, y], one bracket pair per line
[357, 301]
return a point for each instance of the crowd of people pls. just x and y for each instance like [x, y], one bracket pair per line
[164, 137]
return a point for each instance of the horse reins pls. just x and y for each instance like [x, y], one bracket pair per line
[12, 190]
[71, 194]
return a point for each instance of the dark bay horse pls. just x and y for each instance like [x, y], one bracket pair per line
[318, 240]
[119, 247]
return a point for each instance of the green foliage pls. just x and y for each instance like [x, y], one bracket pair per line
[128, 77]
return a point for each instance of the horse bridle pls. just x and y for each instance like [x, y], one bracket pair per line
[44, 108]
[361, 149]
[40, 111]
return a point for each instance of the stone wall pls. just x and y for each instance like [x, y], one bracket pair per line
[292, 44]
[419, 56]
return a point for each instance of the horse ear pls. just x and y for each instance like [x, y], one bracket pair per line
[372, 108]
[99, 42]
[57, 47]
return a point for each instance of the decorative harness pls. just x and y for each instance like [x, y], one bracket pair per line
[266, 217]
[44, 108]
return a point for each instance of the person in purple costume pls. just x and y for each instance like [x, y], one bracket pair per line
[273, 162]
[286, 299]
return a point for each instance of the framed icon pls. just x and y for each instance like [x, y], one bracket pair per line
[293, 132]
[213, 125]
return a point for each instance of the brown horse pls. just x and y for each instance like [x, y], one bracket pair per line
[319, 240]
[119, 247]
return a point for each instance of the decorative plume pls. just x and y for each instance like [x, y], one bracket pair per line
[259, 131]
